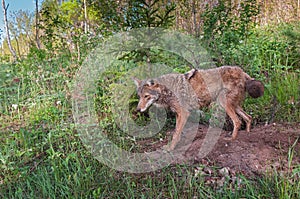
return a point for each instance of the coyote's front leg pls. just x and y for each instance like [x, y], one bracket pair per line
[181, 118]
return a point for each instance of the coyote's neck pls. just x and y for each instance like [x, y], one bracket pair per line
[167, 99]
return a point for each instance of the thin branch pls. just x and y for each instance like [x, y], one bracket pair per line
[13, 52]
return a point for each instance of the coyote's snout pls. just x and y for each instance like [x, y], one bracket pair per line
[196, 89]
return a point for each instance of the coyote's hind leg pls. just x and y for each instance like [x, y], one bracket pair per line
[247, 118]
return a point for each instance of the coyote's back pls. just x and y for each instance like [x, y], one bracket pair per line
[232, 80]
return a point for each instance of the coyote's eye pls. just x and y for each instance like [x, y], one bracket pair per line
[147, 96]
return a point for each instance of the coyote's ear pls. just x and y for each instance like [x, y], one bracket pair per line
[136, 81]
[188, 75]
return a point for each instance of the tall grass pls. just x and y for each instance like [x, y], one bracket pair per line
[77, 175]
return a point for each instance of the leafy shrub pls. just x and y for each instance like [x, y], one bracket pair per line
[226, 26]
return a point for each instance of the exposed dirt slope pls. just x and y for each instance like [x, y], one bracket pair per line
[265, 148]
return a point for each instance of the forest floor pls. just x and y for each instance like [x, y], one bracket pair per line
[265, 149]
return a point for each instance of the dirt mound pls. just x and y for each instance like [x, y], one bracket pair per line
[265, 148]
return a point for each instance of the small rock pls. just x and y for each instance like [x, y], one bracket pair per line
[224, 172]
[207, 170]
[14, 106]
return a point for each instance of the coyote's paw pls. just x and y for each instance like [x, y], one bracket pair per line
[228, 137]
[231, 137]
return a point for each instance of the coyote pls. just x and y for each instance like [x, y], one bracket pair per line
[197, 89]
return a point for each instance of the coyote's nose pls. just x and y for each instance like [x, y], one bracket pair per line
[138, 109]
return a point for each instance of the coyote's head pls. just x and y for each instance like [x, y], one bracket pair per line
[148, 92]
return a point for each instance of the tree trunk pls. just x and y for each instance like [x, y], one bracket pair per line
[18, 47]
[37, 39]
[196, 25]
[85, 18]
[12, 51]
[298, 9]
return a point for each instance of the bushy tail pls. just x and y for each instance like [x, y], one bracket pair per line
[255, 88]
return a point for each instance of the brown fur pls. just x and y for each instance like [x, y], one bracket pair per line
[197, 89]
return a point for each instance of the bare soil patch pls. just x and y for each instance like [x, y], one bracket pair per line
[264, 149]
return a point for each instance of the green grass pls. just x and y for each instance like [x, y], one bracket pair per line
[74, 174]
